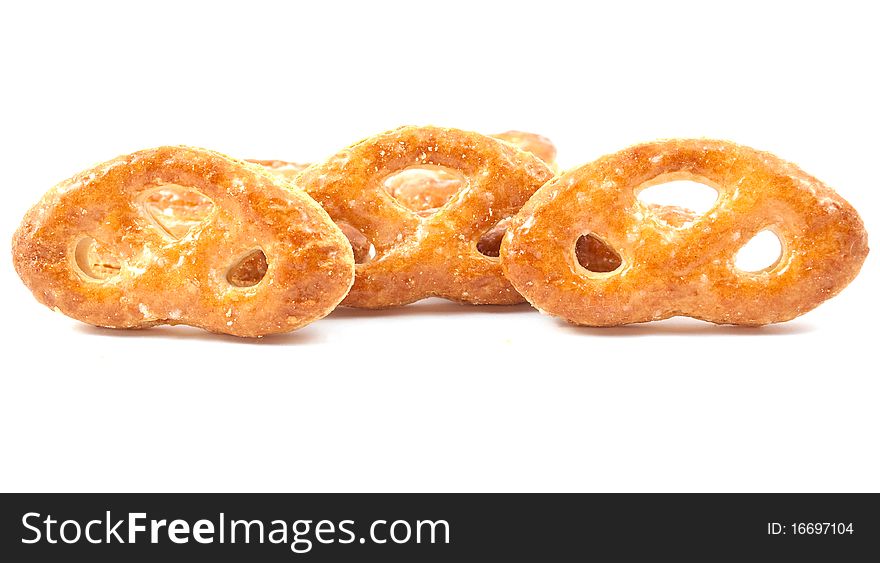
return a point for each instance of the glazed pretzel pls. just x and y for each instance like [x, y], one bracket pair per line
[177, 235]
[673, 262]
[413, 256]
[425, 190]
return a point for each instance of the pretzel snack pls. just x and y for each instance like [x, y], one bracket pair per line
[427, 189]
[406, 255]
[669, 261]
[179, 235]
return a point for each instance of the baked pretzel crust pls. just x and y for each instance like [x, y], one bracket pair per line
[425, 190]
[419, 256]
[680, 264]
[241, 252]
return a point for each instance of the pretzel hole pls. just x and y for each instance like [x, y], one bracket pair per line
[176, 210]
[248, 271]
[677, 202]
[760, 254]
[95, 260]
[363, 249]
[490, 243]
[424, 189]
[595, 255]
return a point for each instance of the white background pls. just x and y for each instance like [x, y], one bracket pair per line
[437, 396]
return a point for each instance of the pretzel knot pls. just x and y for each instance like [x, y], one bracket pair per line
[405, 255]
[176, 235]
[671, 262]
[425, 190]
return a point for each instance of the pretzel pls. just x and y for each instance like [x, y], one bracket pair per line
[177, 235]
[412, 256]
[425, 190]
[670, 261]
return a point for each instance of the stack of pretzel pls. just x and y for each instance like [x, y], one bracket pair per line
[178, 235]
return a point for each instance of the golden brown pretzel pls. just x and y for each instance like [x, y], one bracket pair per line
[413, 256]
[673, 263]
[178, 235]
[425, 190]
